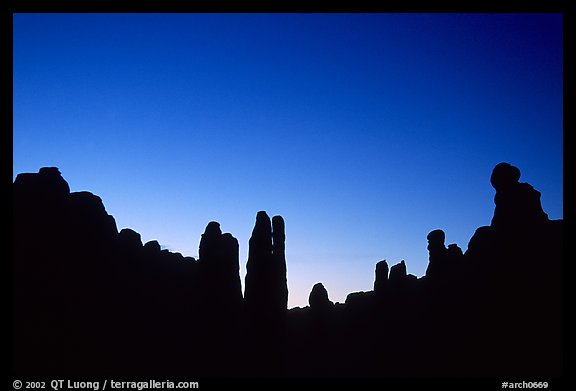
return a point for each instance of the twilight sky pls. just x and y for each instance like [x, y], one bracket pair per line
[364, 131]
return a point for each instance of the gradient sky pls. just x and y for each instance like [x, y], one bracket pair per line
[364, 131]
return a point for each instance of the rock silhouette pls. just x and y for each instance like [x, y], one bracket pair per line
[517, 204]
[266, 290]
[280, 283]
[445, 263]
[398, 273]
[381, 278]
[89, 300]
[221, 268]
[318, 299]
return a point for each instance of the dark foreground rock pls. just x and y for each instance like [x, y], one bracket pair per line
[92, 301]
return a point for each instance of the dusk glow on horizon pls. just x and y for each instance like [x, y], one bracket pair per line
[364, 131]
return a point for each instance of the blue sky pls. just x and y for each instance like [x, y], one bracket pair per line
[364, 131]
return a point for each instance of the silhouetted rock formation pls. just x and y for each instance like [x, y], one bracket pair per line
[381, 278]
[266, 290]
[517, 204]
[62, 252]
[90, 300]
[514, 268]
[399, 279]
[130, 240]
[437, 253]
[454, 251]
[398, 272]
[88, 296]
[279, 256]
[318, 299]
[266, 295]
[221, 268]
[445, 264]
[152, 247]
[44, 187]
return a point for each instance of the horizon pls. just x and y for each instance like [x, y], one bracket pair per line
[365, 132]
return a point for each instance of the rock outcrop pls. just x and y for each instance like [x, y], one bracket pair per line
[381, 278]
[398, 273]
[220, 265]
[517, 204]
[266, 290]
[93, 300]
[445, 263]
[318, 299]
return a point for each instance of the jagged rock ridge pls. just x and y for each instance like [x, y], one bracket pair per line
[90, 299]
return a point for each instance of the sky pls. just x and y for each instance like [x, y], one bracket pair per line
[364, 131]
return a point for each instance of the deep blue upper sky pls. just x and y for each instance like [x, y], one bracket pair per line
[364, 131]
